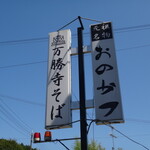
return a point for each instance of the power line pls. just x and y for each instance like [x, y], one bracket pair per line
[138, 120]
[134, 47]
[44, 61]
[147, 121]
[24, 40]
[12, 126]
[127, 137]
[17, 116]
[43, 105]
[22, 100]
[133, 28]
[12, 119]
[137, 135]
[26, 64]
[123, 29]
[118, 132]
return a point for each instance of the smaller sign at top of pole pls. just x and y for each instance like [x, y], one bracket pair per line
[107, 95]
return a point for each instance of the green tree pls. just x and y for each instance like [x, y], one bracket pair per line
[77, 145]
[91, 146]
[94, 146]
[12, 145]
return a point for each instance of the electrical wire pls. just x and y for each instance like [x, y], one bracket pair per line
[17, 116]
[24, 41]
[127, 136]
[91, 20]
[118, 132]
[105, 124]
[43, 105]
[138, 135]
[147, 26]
[79, 102]
[131, 139]
[62, 144]
[61, 125]
[138, 120]
[118, 30]
[12, 126]
[22, 100]
[88, 129]
[67, 24]
[26, 64]
[44, 61]
[13, 120]
[13, 117]
[134, 47]
[133, 28]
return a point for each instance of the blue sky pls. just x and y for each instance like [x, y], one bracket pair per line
[23, 67]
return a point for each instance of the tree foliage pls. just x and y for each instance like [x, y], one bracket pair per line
[12, 145]
[91, 146]
[94, 146]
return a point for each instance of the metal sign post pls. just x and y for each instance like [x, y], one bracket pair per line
[107, 97]
[83, 123]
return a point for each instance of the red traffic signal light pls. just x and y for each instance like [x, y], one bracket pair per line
[47, 136]
[37, 137]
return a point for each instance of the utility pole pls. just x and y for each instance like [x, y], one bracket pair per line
[31, 141]
[83, 123]
[113, 136]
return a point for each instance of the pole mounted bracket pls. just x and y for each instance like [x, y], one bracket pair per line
[81, 22]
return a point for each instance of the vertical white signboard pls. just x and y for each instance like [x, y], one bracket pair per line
[107, 96]
[58, 112]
